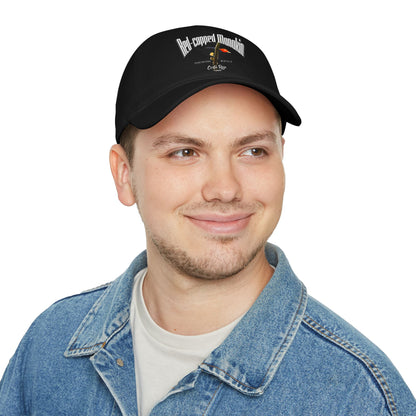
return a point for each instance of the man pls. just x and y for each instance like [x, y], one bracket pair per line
[210, 320]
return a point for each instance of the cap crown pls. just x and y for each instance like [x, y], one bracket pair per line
[172, 65]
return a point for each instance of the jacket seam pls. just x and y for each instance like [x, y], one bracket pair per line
[95, 289]
[229, 375]
[347, 346]
[212, 398]
[104, 343]
[85, 292]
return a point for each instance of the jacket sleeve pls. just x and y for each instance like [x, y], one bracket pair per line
[12, 385]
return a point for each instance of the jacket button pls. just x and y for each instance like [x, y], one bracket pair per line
[120, 362]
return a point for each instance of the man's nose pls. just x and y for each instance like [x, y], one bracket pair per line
[221, 182]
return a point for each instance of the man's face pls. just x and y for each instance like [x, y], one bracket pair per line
[208, 181]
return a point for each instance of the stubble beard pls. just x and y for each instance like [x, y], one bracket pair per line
[221, 262]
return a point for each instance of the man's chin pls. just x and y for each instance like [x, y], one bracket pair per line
[217, 262]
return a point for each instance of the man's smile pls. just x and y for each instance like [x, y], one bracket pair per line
[220, 223]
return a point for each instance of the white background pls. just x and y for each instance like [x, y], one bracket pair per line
[348, 226]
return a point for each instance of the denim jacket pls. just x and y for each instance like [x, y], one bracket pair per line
[289, 355]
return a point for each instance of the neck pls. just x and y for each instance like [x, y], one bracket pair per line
[191, 306]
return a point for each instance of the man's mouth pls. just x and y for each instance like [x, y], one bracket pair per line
[221, 223]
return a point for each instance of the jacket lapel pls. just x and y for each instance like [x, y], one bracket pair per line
[115, 365]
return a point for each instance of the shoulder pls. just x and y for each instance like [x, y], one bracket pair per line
[339, 344]
[70, 309]
[39, 359]
[50, 333]
[53, 328]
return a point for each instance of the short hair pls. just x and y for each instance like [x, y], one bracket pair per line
[127, 139]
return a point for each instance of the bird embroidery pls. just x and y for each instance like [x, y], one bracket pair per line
[214, 55]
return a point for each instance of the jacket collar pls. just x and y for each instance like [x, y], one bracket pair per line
[250, 356]
[109, 314]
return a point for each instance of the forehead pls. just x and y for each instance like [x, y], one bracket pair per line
[223, 111]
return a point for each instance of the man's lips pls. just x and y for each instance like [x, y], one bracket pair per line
[221, 224]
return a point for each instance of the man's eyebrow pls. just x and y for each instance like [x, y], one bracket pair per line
[173, 139]
[255, 137]
[166, 140]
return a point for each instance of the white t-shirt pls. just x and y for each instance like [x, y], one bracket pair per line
[162, 358]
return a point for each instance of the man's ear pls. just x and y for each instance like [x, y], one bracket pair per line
[120, 169]
[283, 146]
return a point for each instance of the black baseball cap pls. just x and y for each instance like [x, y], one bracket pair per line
[170, 66]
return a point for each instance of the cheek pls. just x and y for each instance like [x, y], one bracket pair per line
[267, 186]
[162, 191]
[273, 191]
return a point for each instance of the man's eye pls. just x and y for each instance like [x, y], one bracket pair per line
[255, 151]
[182, 153]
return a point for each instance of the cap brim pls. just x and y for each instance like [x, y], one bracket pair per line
[162, 105]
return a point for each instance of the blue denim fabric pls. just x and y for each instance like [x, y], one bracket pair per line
[289, 355]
